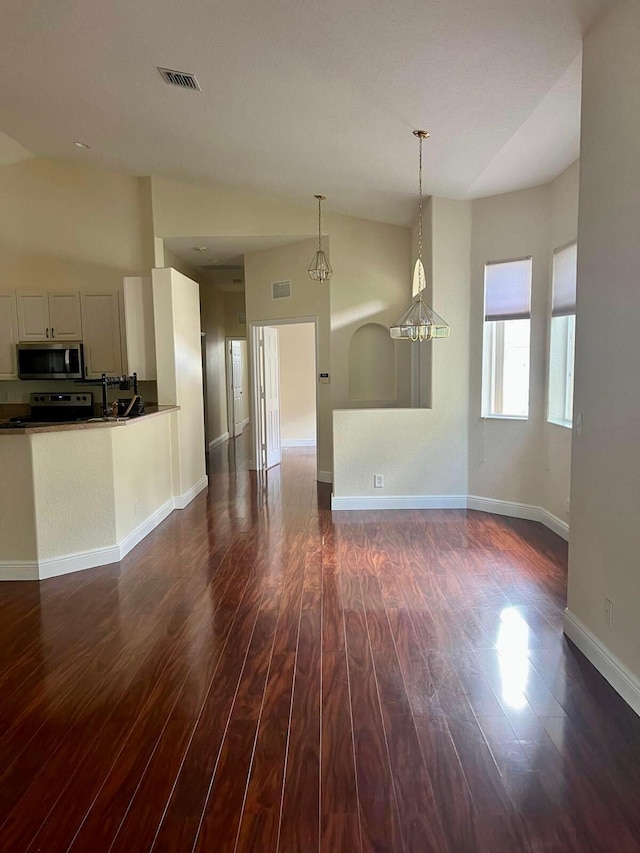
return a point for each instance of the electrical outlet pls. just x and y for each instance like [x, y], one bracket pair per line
[136, 508]
[578, 425]
[608, 612]
[378, 481]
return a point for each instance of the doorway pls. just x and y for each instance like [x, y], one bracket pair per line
[283, 388]
[237, 370]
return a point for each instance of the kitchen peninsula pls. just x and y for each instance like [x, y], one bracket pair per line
[78, 495]
[75, 496]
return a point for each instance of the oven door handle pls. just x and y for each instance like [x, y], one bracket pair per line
[67, 360]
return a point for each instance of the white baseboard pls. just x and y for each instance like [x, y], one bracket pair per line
[518, 510]
[181, 501]
[298, 442]
[509, 508]
[18, 570]
[400, 502]
[324, 477]
[245, 423]
[219, 440]
[136, 536]
[608, 665]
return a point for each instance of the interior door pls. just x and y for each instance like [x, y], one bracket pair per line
[273, 451]
[238, 390]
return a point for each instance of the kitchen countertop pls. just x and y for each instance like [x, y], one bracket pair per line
[98, 423]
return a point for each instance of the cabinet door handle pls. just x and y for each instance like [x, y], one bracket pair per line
[52, 332]
[47, 331]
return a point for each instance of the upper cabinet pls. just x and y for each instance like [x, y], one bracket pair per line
[49, 317]
[140, 327]
[8, 336]
[101, 326]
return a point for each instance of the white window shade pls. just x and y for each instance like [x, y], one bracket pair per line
[507, 294]
[565, 265]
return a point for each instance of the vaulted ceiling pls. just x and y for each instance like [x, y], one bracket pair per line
[300, 96]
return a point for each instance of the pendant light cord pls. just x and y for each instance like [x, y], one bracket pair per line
[420, 221]
[319, 224]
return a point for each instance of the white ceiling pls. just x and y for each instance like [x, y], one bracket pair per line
[299, 96]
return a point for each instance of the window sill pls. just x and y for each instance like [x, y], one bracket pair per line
[505, 417]
[565, 424]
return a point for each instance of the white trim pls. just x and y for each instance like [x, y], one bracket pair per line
[136, 536]
[18, 570]
[181, 501]
[400, 502]
[245, 423]
[324, 477]
[518, 510]
[56, 566]
[498, 507]
[219, 440]
[298, 442]
[608, 665]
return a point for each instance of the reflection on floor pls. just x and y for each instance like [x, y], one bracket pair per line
[260, 675]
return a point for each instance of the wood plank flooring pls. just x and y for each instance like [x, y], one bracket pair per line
[259, 675]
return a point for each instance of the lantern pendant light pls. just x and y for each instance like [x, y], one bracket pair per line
[420, 322]
[320, 268]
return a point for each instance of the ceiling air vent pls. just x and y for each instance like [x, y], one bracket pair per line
[242, 319]
[281, 290]
[180, 78]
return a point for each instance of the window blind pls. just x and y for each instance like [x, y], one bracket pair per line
[565, 265]
[507, 290]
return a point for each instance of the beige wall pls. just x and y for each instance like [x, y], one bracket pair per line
[557, 439]
[420, 451]
[297, 350]
[234, 305]
[17, 512]
[142, 471]
[178, 353]
[605, 535]
[212, 318]
[309, 299]
[68, 227]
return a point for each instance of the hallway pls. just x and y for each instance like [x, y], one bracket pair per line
[260, 675]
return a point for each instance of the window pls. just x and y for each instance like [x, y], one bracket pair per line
[507, 331]
[562, 337]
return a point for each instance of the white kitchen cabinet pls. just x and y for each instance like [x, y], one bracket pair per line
[49, 316]
[101, 334]
[140, 327]
[8, 336]
[65, 316]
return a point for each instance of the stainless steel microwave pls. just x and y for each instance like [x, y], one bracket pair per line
[51, 361]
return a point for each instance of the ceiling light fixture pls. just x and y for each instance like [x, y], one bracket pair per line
[320, 268]
[200, 249]
[420, 322]
[79, 144]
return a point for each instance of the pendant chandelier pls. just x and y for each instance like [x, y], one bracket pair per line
[420, 322]
[320, 268]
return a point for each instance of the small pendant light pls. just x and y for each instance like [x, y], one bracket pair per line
[420, 322]
[320, 268]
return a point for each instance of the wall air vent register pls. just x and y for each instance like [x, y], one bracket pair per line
[182, 79]
[281, 290]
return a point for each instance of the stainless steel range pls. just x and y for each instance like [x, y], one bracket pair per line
[55, 408]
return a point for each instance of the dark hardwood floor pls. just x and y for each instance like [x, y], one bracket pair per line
[259, 675]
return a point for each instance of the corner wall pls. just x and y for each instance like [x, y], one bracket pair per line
[605, 534]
